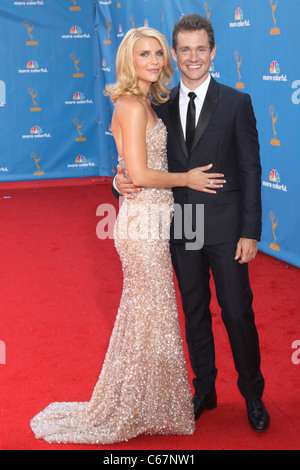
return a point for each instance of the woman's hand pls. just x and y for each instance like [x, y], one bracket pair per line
[199, 180]
[196, 179]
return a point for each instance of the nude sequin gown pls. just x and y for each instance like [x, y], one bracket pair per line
[143, 387]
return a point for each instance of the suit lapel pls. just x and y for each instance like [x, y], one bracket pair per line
[175, 118]
[208, 109]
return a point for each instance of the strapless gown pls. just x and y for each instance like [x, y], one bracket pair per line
[143, 386]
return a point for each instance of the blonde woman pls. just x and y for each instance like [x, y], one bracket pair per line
[143, 387]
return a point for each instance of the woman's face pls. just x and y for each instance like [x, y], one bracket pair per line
[149, 61]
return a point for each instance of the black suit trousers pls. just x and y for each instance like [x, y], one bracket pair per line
[234, 294]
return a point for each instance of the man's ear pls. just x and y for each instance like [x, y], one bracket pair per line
[213, 52]
[174, 55]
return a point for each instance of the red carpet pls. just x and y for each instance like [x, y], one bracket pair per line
[59, 294]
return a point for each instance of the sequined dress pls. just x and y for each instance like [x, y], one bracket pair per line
[143, 386]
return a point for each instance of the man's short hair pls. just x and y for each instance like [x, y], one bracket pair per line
[193, 22]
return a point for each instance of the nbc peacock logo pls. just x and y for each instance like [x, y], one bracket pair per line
[78, 96]
[76, 32]
[32, 64]
[80, 159]
[81, 162]
[240, 20]
[120, 31]
[105, 67]
[213, 71]
[274, 176]
[238, 14]
[273, 182]
[274, 71]
[36, 130]
[274, 67]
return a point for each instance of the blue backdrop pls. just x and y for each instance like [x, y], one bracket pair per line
[57, 56]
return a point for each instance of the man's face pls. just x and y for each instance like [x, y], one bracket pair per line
[193, 56]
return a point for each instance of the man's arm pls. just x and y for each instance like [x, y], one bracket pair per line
[115, 189]
[122, 186]
[250, 177]
[248, 156]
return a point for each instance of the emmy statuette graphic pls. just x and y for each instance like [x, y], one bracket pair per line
[109, 26]
[206, 9]
[76, 61]
[239, 84]
[39, 172]
[33, 95]
[79, 126]
[29, 29]
[75, 7]
[274, 31]
[274, 245]
[274, 141]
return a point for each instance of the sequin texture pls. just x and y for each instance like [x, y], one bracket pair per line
[143, 386]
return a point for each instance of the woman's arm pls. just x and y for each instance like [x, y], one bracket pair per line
[132, 120]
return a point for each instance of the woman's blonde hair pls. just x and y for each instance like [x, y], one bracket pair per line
[127, 79]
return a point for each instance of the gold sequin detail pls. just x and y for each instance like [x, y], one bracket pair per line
[143, 386]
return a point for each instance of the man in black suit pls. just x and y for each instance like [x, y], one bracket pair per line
[211, 123]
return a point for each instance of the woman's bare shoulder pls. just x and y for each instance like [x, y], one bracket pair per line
[130, 107]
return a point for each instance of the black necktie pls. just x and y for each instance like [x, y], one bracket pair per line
[190, 121]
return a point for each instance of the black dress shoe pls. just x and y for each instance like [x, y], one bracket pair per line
[202, 403]
[258, 416]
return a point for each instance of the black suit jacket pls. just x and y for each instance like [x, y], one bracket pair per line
[226, 136]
